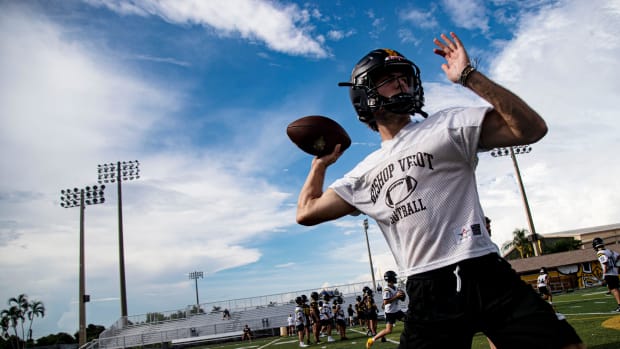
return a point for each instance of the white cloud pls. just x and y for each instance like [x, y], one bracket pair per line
[63, 110]
[274, 25]
[337, 35]
[468, 14]
[560, 62]
[421, 19]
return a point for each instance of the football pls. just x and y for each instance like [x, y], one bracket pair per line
[318, 135]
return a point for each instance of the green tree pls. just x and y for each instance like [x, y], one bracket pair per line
[93, 332]
[566, 244]
[19, 310]
[521, 243]
[36, 309]
[11, 318]
[59, 338]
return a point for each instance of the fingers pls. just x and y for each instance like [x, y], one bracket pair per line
[448, 45]
[329, 159]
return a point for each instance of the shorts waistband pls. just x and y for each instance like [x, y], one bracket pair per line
[477, 264]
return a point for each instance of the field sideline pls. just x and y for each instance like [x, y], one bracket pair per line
[588, 311]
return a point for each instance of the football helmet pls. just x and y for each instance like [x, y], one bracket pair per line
[363, 85]
[390, 276]
[299, 301]
[597, 242]
[314, 296]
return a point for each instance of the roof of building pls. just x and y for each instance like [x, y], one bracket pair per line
[581, 231]
[553, 260]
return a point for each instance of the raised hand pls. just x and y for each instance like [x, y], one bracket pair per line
[454, 53]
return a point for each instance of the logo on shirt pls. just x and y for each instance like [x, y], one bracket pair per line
[400, 190]
[467, 233]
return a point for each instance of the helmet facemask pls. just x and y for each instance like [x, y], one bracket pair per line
[365, 82]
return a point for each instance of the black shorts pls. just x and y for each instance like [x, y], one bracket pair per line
[544, 290]
[300, 328]
[449, 305]
[612, 281]
[390, 318]
[371, 315]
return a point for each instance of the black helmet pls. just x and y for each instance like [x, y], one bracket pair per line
[390, 276]
[314, 296]
[363, 89]
[299, 301]
[304, 298]
[358, 298]
[597, 242]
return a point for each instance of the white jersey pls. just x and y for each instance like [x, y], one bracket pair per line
[388, 293]
[326, 312]
[542, 280]
[339, 314]
[608, 259]
[420, 187]
[300, 318]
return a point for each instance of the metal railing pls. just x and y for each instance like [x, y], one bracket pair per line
[163, 327]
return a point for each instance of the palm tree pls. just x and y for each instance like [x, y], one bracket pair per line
[4, 324]
[36, 309]
[21, 302]
[10, 318]
[520, 243]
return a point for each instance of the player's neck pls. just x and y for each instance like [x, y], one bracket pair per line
[389, 127]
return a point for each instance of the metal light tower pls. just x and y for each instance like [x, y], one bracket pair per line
[372, 270]
[119, 172]
[194, 275]
[520, 149]
[80, 198]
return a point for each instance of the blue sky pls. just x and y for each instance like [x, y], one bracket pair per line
[200, 92]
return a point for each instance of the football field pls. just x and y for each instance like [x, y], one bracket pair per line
[588, 311]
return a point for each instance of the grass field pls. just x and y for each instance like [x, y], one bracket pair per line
[588, 311]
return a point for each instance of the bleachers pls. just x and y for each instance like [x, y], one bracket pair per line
[264, 314]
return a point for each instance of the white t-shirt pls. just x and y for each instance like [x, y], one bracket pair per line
[299, 316]
[388, 293]
[608, 258]
[542, 280]
[420, 187]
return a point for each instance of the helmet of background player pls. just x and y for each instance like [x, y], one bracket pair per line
[299, 301]
[314, 296]
[304, 298]
[390, 276]
[543, 270]
[358, 298]
[363, 86]
[597, 242]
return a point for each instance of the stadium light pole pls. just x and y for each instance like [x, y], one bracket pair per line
[372, 270]
[520, 149]
[119, 172]
[195, 275]
[80, 198]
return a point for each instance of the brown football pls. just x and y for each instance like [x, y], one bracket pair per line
[318, 135]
